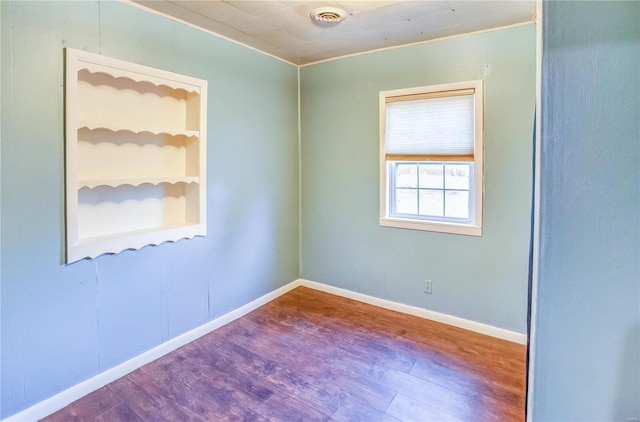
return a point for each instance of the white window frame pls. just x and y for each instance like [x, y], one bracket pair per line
[424, 223]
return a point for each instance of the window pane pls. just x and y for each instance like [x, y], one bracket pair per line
[431, 202]
[406, 201]
[457, 204]
[406, 175]
[431, 176]
[457, 176]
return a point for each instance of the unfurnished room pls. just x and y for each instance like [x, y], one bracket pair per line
[301, 210]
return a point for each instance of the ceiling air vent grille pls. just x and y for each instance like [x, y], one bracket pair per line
[328, 16]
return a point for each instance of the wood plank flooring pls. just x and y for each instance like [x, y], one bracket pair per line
[312, 356]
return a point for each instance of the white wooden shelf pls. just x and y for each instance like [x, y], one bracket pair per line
[94, 183]
[136, 239]
[135, 155]
[127, 73]
[139, 130]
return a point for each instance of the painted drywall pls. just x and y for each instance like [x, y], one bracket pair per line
[62, 324]
[587, 335]
[483, 279]
[2, 46]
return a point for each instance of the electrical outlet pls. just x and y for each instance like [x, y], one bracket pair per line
[428, 285]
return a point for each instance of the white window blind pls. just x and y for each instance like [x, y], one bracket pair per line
[437, 126]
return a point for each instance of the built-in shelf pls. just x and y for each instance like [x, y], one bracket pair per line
[136, 239]
[93, 183]
[139, 130]
[112, 72]
[135, 155]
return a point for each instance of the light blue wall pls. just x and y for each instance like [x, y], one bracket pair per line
[587, 345]
[478, 278]
[62, 324]
[2, 46]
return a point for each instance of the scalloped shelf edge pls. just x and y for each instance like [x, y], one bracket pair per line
[97, 126]
[122, 74]
[94, 247]
[92, 184]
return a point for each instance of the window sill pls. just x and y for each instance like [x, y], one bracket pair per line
[431, 226]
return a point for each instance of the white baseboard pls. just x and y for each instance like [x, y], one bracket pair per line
[64, 398]
[477, 327]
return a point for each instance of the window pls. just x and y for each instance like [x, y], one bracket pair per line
[431, 158]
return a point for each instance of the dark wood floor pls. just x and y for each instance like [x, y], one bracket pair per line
[310, 356]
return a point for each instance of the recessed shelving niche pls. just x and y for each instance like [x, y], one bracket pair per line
[135, 155]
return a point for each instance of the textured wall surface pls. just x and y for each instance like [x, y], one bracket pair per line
[587, 344]
[62, 324]
[479, 278]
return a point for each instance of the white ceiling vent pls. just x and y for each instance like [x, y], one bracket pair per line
[328, 16]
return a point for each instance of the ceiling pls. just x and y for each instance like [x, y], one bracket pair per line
[284, 29]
